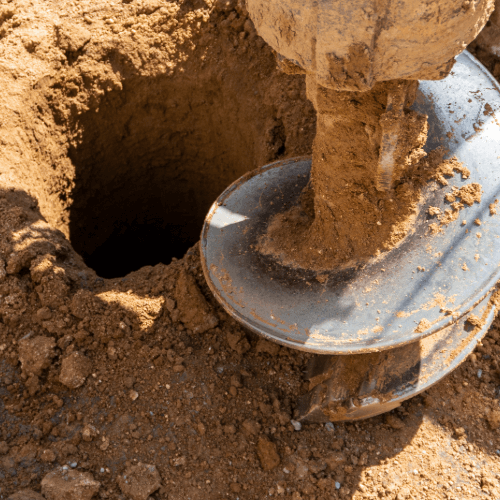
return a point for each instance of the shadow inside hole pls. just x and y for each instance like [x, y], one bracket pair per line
[132, 246]
[147, 170]
[138, 222]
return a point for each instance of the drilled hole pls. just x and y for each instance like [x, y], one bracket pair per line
[150, 162]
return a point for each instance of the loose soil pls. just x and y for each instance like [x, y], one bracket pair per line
[120, 124]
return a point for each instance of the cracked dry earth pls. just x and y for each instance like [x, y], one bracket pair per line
[120, 377]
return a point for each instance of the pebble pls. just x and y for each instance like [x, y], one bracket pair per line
[479, 373]
[36, 354]
[337, 485]
[329, 427]
[296, 425]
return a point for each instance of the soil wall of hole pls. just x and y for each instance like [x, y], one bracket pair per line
[151, 157]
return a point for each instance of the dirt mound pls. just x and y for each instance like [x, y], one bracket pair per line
[120, 124]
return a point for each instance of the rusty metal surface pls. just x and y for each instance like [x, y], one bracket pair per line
[376, 306]
[365, 385]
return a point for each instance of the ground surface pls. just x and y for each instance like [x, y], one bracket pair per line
[112, 115]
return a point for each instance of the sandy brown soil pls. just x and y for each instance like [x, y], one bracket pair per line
[120, 123]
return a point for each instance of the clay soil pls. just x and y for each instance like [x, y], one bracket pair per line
[120, 123]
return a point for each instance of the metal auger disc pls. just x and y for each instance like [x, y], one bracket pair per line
[376, 306]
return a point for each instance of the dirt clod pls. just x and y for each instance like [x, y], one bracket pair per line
[251, 427]
[72, 37]
[75, 368]
[268, 454]
[139, 481]
[35, 354]
[493, 418]
[64, 484]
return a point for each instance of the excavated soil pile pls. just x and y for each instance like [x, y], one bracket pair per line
[120, 377]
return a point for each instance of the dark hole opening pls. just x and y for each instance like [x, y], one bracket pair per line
[153, 158]
[144, 241]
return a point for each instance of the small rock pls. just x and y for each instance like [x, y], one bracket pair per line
[337, 485]
[139, 481]
[105, 444]
[296, 425]
[236, 380]
[74, 370]
[268, 454]
[66, 484]
[35, 354]
[329, 427]
[129, 382]
[26, 495]
[301, 469]
[133, 395]
[4, 448]
[170, 305]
